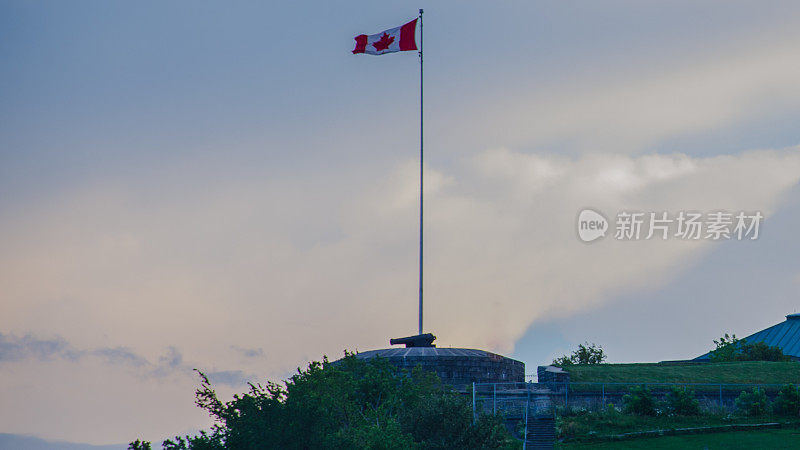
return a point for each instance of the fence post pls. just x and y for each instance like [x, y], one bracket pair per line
[494, 399]
[604, 395]
[720, 397]
[527, 410]
[474, 412]
[566, 394]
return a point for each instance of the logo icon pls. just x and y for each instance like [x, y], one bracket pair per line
[591, 225]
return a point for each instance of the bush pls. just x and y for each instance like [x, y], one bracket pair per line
[788, 401]
[352, 404]
[726, 349]
[680, 401]
[640, 401]
[752, 403]
[563, 361]
[760, 351]
[585, 354]
[729, 348]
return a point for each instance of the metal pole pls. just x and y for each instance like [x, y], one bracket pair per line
[494, 399]
[604, 395]
[720, 396]
[420, 171]
[527, 408]
[474, 413]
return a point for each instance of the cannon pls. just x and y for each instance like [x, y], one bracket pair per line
[420, 340]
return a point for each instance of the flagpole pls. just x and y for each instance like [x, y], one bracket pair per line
[420, 171]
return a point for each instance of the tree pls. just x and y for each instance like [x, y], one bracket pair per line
[759, 351]
[640, 401]
[729, 348]
[787, 402]
[681, 401]
[753, 403]
[585, 354]
[726, 349]
[348, 404]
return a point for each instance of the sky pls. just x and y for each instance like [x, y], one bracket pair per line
[225, 187]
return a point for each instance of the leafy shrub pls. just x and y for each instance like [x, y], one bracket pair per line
[760, 351]
[563, 361]
[726, 349]
[572, 422]
[788, 401]
[729, 348]
[352, 404]
[567, 427]
[680, 401]
[640, 401]
[752, 403]
[585, 354]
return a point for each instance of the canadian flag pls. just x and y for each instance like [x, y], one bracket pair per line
[397, 39]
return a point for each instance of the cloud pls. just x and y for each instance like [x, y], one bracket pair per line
[33, 443]
[261, 274]
[249, 352]
[13, 348]
[131, 395]
[629, 108]
[120, 355]
[249, 272]
[507, 253]
[245, 281]
[170, 362]
[228, 377]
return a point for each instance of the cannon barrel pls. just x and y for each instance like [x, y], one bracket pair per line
[420, 340]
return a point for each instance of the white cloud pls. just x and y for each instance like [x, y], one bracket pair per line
[246, 265]
[627, 109]
[502, 260]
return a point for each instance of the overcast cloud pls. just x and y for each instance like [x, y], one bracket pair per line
[194, 189]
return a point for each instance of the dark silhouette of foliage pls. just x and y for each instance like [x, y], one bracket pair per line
[753, 403]
[759, 351]
[349, 404]
[640, 401]
[729, 348]
[726, 349]
[585, 354]
[681, 401]
[787, 403]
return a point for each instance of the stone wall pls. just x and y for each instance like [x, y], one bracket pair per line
[460, 370]
[551, 374]
[459, 367]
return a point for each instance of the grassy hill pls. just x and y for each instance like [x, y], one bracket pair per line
[747, 372]
[784, 438]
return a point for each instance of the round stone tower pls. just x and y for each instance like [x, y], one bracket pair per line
[456, 366]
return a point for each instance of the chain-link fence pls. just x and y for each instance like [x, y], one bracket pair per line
[510, 398]
[529, 409]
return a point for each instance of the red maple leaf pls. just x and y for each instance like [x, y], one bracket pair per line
[384, 42]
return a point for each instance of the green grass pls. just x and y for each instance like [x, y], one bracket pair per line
[585, 425]
[745, 372]
[784, 438]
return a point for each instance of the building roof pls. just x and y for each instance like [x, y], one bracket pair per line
[433, 352]
[785, 335]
